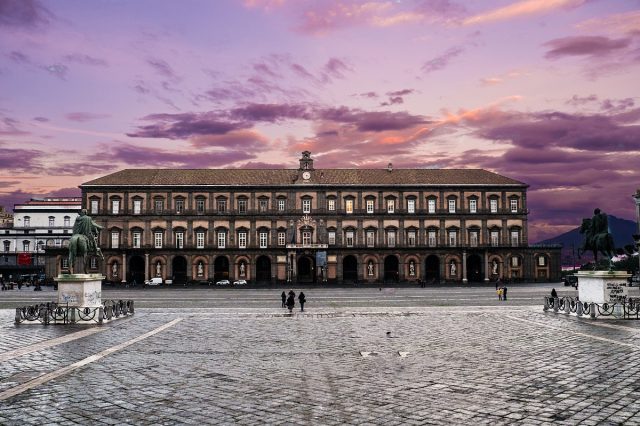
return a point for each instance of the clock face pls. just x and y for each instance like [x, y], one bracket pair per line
[306, 175]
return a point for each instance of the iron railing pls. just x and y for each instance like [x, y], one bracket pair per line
[627, 308]
[53, 313]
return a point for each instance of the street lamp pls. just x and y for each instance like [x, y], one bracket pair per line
[39, 248]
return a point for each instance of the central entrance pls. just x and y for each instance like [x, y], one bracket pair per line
[136, 270]
[179, 266]
[263, 269]
[391, 269]
[350, 269]
[474, 268]
[306, 268]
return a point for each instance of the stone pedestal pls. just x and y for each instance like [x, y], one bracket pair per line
[80, 290]
[602, 286]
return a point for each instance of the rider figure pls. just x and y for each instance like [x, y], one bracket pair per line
[84, 225]
[599, 223]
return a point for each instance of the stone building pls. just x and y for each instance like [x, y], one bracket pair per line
[315, 225]
[6, 218]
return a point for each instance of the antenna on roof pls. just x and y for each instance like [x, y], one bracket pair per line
[389, 167]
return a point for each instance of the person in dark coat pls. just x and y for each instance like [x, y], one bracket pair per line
[292, 293]
[301, 299]
[283, 296]
[554, 293]
[291, 302]
[504, 293]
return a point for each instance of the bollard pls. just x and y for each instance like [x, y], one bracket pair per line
[131, 307]
[592, 307]
[18, 316]
[567, 306]
[101, 315]
[579, 308]
[546, 304]
[556, 302]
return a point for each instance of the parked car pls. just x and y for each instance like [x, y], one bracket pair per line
[223, 282]
[571, 280]
[240, 282]
[153, 281]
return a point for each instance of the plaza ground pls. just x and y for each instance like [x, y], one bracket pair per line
[445, 355]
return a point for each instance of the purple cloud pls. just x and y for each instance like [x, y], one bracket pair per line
[584, 46]
[336, 68]
[162, 68]
[57, 70]
[397, 97]
[13, 159]
[41, 119]
[85, 116]
[19, 57]
[10, 127]
[440, 62]
[81, 58]
[23, 13]
[182, 126]
[581, 100]
[372, 121]
[270, 112]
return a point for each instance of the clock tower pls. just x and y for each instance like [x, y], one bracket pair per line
[306, 163]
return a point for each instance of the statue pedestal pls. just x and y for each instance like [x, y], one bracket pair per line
[602, 286]
[80, 290]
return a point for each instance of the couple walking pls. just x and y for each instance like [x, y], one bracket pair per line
[290, 301]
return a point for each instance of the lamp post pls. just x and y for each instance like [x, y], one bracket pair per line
[38, 249]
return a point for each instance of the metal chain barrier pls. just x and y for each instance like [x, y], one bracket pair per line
[52, 313]
[629, 308]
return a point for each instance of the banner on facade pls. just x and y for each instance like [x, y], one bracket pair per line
[321, 259]
[24, 258]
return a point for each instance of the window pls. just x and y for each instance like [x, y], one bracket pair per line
[200, 205]
[222, 206]
[306, 237]
[179, 206]
[263, 239]
[515, 238]
[7, 245]
[331, 204]
[473, 238]
[137, 237]
[27, 221]
[306, 205]
[411, 238]
[348, 206]
[52, 221]
[159, 206]
[453, 238]
[332, 238]
[115, 239]
[391, 238]
[432, 238]
[26, 245]
[222, 239]
[157, 239]
[431, 205]
[369, 206]
[180, 240]
[200, 239]
[58, 242]
[242, 239]
[94, 206]
[94, 262]
[495, 238]
[281, 203]
[65, 263]
[473, 205]
[137, 206]
[115, 206]
[542, 261]
[452, 206]
[411, 205]
[391, 206]
[515, 261]
[242, 205]
[493, 205]
[263, 205]
[371, 238]
[349, 238]
[67, 221]
[513, 203]
[282, 238]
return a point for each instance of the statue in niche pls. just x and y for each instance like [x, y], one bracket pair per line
[242, 269]
[453, 268]
[158, 269]
[412, 268]
[114, 269]
[494, 267]
[370, 268]
[200, 269]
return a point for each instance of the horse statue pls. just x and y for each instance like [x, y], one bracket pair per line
[597, 238]
[83, 241]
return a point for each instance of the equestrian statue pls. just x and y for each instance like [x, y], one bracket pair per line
[597, 237]
[84, 241]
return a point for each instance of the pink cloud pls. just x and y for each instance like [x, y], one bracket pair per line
[23, 13]
[441, 61]
[584, 46]
[85, 116]
[521, 9]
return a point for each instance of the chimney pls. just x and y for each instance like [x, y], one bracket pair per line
[389, 167]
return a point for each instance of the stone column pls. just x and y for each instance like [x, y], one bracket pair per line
[464, 266]
[146, 266]
[124, 268]
[486, 265]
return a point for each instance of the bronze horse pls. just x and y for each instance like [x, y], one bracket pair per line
[79, 248]
[602, 242]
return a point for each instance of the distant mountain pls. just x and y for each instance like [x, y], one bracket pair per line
[621, 230]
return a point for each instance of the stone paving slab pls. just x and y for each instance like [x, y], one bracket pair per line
[513, 365]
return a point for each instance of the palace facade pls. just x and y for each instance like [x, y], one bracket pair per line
[315, 225]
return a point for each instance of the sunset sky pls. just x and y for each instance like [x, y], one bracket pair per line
[542, 91]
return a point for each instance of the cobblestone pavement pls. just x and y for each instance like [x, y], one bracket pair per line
[332, 364]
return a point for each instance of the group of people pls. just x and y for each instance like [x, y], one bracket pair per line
[502, 292]
[289, 301]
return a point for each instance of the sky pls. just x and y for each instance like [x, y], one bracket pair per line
[542, 91]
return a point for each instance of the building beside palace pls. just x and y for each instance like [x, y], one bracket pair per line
[315, 225]
[41, 229]
[6, 218]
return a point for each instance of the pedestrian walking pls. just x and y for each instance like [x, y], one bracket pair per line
[499, 291]
[504, 293]
[554, 293]
[301, 299]
[291, 302]
[283, 296]
[292, 293]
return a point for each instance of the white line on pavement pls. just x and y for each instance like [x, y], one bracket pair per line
[577, 333]
[88, 360]
[5, 356]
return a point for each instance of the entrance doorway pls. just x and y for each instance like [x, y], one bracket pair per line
[350, 269]
[432, 269]
[136, 270]
[306, 266]
[179, 268]
[221, 268]
[263, 269]
[391, 270]
[474, 268]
